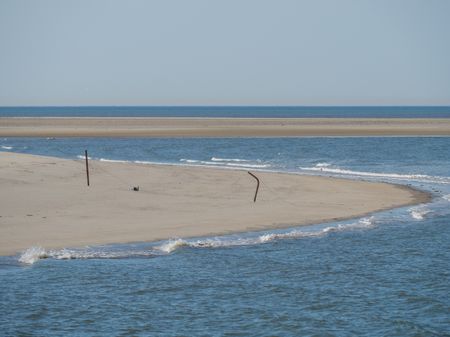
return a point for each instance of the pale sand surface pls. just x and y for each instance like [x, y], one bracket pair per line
[220, 127]
[45, 201]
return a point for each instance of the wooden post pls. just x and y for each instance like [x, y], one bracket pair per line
[257, 186]
[87, 166]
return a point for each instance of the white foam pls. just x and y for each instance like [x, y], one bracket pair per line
[362, 223]
[223, 163]
[83, 157]
[107, 160]
[446, 197]
[70, 254]
[145, 162]
[64, 254]
[419, 212]
[33, 254]
[322, 164]
[249, 165]
[172, 245]
[189, 160]
[204, 162]
[416, 177]
[97, 253]
[113, 160]
[228, 160]
[267, 237]
[7, 147]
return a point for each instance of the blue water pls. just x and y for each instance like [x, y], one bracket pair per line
[232, 111]
[387, 274]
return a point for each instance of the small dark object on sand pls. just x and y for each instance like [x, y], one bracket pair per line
[136, 188]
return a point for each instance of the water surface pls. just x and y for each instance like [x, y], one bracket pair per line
[383, 275]
[233, 111]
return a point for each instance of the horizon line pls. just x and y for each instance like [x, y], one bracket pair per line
[226, 106]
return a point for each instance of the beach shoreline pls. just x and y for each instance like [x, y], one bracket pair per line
[219, 127]
[44, 201]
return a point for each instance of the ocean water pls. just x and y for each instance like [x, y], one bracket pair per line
[232, 111]
[387, 274]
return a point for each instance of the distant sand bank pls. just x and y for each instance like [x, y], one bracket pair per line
[45, 201]
[220, 127]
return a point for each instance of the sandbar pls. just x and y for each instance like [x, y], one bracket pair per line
[45, 201]
[220, 127]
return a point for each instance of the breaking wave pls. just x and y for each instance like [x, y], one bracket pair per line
[248, 165]
[6, 147]
[113, 161]
[216, 162]
[322, 164]
[172, 245]
[419, 212]
[34, 254]
[219, 162]
[228, 160]
[324, 168]
[191, 161]
[83, 157]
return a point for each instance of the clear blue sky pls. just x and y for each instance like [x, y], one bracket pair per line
[228, 52]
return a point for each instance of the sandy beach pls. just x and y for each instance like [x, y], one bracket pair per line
[45, 201]
[220, 127]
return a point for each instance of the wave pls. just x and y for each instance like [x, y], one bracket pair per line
[228, 160]
[172, 245]
[69, 254]
[34, 254]
[249, 165]
[446, 197]
[83, 157]
[416, 177]
[113, 160]
[189, 160]
[144, 162]
[6, 147]
[235, 165]
[224, 164]
[419, 212]
[323, 164]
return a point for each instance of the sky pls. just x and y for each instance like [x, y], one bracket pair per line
[229, 52]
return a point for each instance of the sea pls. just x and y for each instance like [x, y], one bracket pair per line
[385, 274]
[231, 111]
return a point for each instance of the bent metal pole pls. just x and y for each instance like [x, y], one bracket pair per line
[257, 186]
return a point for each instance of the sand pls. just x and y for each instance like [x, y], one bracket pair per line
[44, 201]
[220, 127]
